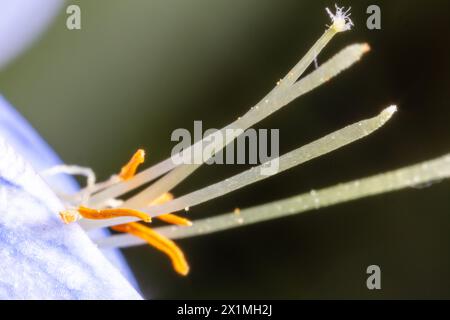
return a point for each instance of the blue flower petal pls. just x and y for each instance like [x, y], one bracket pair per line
[27, 142]
[40, 257]
[21, 22]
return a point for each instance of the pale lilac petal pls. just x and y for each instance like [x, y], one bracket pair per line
[21, 22]
[29, 144]
[40, 257]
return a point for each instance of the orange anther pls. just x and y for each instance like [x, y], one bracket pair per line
[169, 217]
[69, 216]
[112, 213]
[159, 242]
[174, 219]
[129, 170]
[165, 197]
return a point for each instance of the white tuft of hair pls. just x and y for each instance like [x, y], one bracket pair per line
[341, 19]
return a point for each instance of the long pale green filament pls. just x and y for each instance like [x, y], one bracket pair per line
[294, 158]
[295, 73]
[415, 175]
[269, 104]
[339, 62]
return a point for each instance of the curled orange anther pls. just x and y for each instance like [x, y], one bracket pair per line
[174, 219]
[159, 242]
[89, 213]
[129, 170]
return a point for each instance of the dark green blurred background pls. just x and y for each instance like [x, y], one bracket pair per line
[140, 69]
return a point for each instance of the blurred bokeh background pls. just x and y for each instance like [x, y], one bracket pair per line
[138, 69]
